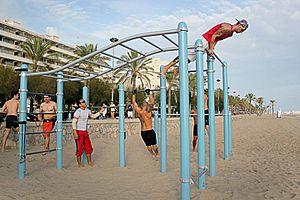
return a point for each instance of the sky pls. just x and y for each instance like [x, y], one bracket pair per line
[264, 60]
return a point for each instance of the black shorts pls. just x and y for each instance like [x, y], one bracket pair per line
[195, 130]
[149, 137]
[11, 121]
[206, 117]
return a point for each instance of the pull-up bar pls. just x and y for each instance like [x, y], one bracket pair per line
[146, 90]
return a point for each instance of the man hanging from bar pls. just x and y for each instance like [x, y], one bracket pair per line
[145, 117]
[209, 41]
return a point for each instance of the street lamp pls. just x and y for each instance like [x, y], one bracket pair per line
[218, 80]
[234, 102]
[113, 40]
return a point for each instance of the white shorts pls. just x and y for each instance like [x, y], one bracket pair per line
[129, 114]
[192, 53]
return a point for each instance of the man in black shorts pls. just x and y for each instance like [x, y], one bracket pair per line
[11, 108]
[195, 112]
[145, 117]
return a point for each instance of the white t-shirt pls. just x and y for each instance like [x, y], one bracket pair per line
[82, 116]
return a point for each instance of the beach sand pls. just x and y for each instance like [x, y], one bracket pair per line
[265, 164]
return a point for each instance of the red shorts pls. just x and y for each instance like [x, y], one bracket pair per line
[83, 143]
[47, 127]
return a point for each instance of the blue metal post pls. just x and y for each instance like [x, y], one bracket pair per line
[163, 124]
[200, 116]
[85, 96]
[230, 132]
[156, 126]
[225, 97]
[59, 94]
[22, 120]
[211, 117]
[184, 111]
[121, 126]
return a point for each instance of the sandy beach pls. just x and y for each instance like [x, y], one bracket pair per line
[265, 165]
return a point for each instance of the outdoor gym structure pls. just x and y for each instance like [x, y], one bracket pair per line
[63, 74]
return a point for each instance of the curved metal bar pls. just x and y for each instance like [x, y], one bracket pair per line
[112, 45]
[167, 49]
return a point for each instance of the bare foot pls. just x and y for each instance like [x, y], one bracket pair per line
[80, 165]
[157, 156]
[91, 163]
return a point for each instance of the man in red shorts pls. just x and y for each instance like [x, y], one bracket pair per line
[80, 133]
[209, 41]
[46, 109]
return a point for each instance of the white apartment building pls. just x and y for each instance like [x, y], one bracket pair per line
[12, 34]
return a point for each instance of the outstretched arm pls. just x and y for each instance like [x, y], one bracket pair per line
[151, 104]
[168, 66]
[225, 29]
[94, 116]
[135, 105]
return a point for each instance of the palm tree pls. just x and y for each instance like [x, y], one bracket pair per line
[134, 71]
[83, 50]
[171, 83]
[250, 97]
[272, 105]
[260, 101]
[36, 49]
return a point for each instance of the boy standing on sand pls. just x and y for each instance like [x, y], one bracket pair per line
[80, 133]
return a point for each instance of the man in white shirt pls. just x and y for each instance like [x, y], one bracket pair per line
[80, 133]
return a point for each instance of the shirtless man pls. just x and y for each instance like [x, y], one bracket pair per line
[48, 107]
[195, 111]
[209, 40]
[10, 107]
[145, 116]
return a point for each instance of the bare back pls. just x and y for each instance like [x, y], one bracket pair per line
[205, 102]
[146, 120]
[11, 107]
[49, 107]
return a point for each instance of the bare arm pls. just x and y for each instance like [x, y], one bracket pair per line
[135, 105]
[94, 116]
[4, 107]
[151, 104]
[74, 123]
[225, 29]
[40, 110]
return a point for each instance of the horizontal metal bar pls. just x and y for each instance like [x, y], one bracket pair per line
[83, 70]
[152, 44]
[39, 133]
[127, 47]
[115, 57]
[170, 40]
[41, 113]
[38, 152]
[41, 94]
[151, 90]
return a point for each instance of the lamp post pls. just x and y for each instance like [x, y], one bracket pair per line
[113, 39]
[218, 80]
[234, 102]
[238, 112]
